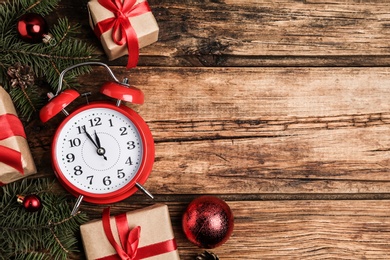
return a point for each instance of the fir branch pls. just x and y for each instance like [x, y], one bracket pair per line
[48, 234]
[20, 96]
[36, 54]
[26, 109]
[58, 241]
[46, 60]
[42, 7]
[32, 6]
[27, 97]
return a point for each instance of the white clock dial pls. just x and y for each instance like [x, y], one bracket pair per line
[99, 150]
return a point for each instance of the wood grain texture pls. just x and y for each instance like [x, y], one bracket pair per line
[278, 107]
[295, 230]
[259, 33]
[311, 230]
[302, 130]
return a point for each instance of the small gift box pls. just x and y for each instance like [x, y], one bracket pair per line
[140, 234]
[16, 161]
[123, 27]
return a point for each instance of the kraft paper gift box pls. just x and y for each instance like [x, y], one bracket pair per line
[16, 161]
[143, 23]
[155, 229]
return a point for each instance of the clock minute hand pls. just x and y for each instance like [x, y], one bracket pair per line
[90, 137]
[100, 151]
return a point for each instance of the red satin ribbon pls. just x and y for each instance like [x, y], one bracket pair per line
[122, 31]
[129, 240]
[11, 126]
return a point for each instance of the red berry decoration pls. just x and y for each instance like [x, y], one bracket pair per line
[208, 222]
[32, 28]
[31, 203]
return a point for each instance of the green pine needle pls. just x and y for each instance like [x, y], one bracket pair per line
[47, 234]
[46, 60]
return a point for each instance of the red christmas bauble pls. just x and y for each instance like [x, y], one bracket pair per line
[31, 203]
[208, 222]
[32, 28]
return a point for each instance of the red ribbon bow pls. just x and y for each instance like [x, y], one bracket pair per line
[122, 31]
[11, 126]
[129, 240]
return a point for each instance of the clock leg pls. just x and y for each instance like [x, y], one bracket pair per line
[141, 188]
[77, 205]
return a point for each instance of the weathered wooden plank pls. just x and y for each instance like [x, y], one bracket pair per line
[258, 131]
[287, 95]
[305, 163]
[292, 229]
[279, 27]
[311, 229]
[259, 33]
[265, 139]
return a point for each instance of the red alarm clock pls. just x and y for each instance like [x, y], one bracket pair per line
[103, 151]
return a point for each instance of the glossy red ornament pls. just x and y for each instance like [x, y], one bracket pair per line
[208, 222]
[31, 203]
[32, 28]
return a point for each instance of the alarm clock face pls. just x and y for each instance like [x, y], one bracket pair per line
[99, 150]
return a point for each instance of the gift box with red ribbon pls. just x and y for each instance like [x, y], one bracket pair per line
[16, 161]
[123, 27]
[140, 234]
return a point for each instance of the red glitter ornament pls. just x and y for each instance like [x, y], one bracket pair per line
[208, 222]
[31, 203]
[32, 28]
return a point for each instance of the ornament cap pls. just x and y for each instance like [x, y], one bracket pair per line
[20, 198]
[57, 104]
[49, 39]
[123, 92]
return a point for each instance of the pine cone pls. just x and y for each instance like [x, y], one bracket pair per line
[207, 256]
[22, 76]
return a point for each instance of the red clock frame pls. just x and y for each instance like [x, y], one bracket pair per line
[143, 171]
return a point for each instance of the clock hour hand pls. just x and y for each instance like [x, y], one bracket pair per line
[101, 151]
[97, 140]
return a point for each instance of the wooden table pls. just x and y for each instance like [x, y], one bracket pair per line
[279, 107]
